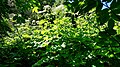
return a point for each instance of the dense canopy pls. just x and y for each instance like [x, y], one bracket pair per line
[59, 33]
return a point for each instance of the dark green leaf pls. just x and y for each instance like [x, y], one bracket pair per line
[103, 16]
[111, 23]
[111, 31]
[103, 34]
[115, 17]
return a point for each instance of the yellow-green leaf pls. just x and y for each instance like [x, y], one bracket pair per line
[35, 9]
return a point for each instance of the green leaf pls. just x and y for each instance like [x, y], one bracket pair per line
[89, 6]
[111, 24]
[103, 34]
[35, 9]
[20, 20]
[103, 16]
[111, 55]
[97, 47]
[115, 4]
[15, 17]
[115, 17]
[111, 31]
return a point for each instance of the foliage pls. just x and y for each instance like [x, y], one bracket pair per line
[42, 33]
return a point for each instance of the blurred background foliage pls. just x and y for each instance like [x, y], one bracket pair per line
[59, 33]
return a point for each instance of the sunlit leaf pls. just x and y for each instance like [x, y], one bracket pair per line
[35, 9]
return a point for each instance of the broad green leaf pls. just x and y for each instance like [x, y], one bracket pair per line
[103, 34]
[111, 31]
[103, 16]
[111, 23]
